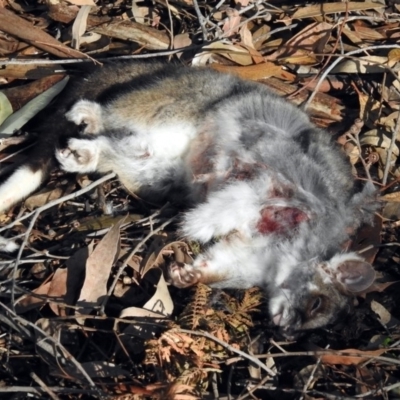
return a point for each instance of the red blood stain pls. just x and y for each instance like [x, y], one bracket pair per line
[280, 220]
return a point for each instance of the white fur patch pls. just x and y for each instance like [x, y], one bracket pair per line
[167, 141]
[18, 186]
[8, 245]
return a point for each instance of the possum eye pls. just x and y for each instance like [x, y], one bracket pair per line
[315, 304]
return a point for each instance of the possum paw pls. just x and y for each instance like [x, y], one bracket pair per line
[88, 114]
[183, 275]
[81, 155]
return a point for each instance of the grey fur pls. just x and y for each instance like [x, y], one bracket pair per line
[258, 174]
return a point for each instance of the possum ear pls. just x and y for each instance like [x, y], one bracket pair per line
[280, 220]
[355, 275]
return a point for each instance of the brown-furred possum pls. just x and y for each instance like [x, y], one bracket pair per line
[258, 175]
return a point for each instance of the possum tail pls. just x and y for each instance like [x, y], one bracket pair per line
[25, 180]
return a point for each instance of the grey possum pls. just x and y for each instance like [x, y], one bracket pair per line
[271, 196]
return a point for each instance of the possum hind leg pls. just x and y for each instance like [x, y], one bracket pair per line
[231, 263]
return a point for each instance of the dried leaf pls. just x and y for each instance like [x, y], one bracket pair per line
[82, 2]
[232, 52]
[332, 8]
[6, 108]
[357, 357]
[79, 26]
[43, 197]
[256, 72]
[394, 55]
[362, 65]
[232, 22]
[58, 290]
[368, 33]
[32, 107]
[34, 300]
[26, 31]
[161, 301]
[384, 315]
[300, 49]
[30, 71]
[98, 267]
[137, 312]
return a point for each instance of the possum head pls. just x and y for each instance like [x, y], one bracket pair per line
[316, 293]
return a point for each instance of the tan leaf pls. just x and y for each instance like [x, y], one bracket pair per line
[355, 356]
[368, 33]
[363, 65]
[79, 26]
[383, 314]
[82, 2]
[43, 197]
[58, 290]
[393, 197]
[332, 8]
[98, 267]
[33, 300]
[137, 312]
[25, 30]
[394, 55]
[232, 52]
[310, 40]
[256, 72]
[353, 36]
[246, 36]
[232, 22]
[161, 301]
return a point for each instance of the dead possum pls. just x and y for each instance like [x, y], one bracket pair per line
[275, 190]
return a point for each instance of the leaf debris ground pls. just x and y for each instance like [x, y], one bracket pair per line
[131, 340]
